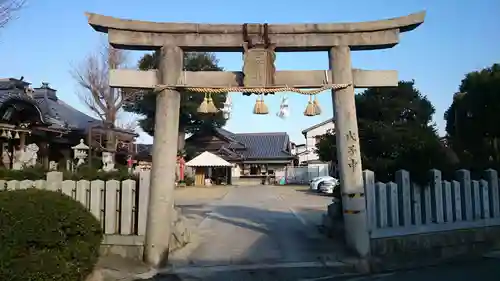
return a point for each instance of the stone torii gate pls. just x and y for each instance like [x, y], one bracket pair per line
[339, 39]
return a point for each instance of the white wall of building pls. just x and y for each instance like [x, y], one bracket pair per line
[300, 152]
[312, 137]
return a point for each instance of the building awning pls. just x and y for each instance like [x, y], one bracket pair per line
[207, 159]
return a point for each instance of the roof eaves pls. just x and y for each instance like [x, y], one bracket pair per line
[270, 157]
[317, 125]
[230, 152]
[228, 138]
[24, 98]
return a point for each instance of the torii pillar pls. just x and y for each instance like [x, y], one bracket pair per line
[348, 153]
[159, 221]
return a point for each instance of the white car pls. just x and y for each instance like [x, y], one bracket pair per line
[315, 183]
[328, 186]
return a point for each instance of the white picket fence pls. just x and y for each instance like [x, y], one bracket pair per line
[121, 207]
[404, 208]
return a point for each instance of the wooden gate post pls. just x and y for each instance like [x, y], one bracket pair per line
[161, 196]
[348, 152]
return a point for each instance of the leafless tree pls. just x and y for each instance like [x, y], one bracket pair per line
[8, 8]
[92, 76]
[127, 121]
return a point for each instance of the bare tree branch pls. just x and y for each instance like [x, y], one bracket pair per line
[127, 121]
[92, 77]
[8, 8]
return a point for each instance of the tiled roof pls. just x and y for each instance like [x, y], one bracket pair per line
[60, 113]
[18, 95]
[13, 84]
[250, 146]
[234, 143]
[56, 112]
[64, 115]
[264, 145]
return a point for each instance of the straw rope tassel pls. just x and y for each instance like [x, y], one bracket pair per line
[203, 108]
[256, 107]
[211, 108]
[317, 108]
[264, 108]
[260, 107]
[310, 108]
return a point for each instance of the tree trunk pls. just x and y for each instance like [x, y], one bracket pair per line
[181, 140]
[110, 140]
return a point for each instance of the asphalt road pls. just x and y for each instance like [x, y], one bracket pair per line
[485, 270]
[270, 234]
[260, 225]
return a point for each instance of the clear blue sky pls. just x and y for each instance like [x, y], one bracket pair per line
[458, 36]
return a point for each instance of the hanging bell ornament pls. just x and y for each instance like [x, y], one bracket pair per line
[4, 134]
[16, 135]
[203, 108]
[9, 134]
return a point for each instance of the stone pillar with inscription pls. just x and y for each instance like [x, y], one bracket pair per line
[348, 153]
[161, 196]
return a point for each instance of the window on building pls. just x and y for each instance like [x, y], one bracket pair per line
[254, 170]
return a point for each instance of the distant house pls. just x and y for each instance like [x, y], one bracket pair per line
[300, 151]
[253, 155]
[313, 136]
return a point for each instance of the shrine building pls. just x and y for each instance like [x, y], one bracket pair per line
[37, 116]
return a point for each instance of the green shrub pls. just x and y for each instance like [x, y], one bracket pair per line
[84, 172]
[189, 181]
[30, 173]
[46, 235]
[88, 173]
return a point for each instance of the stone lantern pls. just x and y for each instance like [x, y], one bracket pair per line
[80, 152]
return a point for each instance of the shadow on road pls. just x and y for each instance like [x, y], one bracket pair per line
[485, 270]
[268, 240]
[313, 192]
[260, 243]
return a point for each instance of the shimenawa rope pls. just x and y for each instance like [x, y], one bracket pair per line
[214, 90]
[208, 106]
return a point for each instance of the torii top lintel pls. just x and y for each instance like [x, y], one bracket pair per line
[143, 35]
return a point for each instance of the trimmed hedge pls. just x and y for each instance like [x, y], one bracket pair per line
[46, 235]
